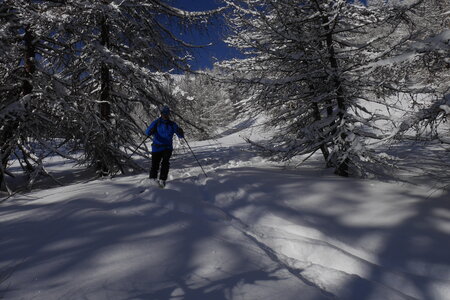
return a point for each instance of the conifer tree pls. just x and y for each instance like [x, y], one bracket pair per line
[318, 68]
[79, 73]
[28, 115]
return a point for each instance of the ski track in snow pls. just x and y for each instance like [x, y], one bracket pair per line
[215, 213]
[305, 271]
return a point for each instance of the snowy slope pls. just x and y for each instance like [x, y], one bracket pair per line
[251, 230]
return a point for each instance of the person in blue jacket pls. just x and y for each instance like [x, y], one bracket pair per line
[162, 130]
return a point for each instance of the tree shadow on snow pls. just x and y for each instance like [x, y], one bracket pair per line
[422, 162]
[418, 248]
[413, 255]
[150, 252]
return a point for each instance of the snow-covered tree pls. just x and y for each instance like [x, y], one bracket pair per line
[427, 60]
[79, 71]
[318, 68]
[126, 49]
[27, 111]
[203, 99]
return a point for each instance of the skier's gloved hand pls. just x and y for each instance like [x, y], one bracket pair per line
[180, 132]
[152, 131]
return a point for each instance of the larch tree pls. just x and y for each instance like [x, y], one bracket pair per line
[204, 99]
[126, 50]
[427, 62]
[29, 118]
[317, 68]
[80, 73]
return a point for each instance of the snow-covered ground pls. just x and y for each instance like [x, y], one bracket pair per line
[251, 230]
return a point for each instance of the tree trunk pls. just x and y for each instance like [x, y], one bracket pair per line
[8, 131]
[105, 79]
[342, 167]
[29, 64]
[105, 105]
[317, 117]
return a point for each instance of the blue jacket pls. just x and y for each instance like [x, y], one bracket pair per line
[163, 131]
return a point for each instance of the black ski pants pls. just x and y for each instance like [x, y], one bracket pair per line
[160, 158]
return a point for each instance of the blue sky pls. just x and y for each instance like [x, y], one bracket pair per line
[205, 57]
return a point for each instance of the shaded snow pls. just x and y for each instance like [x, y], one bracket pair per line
[251, 230]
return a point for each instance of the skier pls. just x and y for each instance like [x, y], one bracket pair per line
[162, 130]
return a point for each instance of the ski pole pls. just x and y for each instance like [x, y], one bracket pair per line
[138, 147]
[194, 156]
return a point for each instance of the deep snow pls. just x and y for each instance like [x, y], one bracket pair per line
[251, 230]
